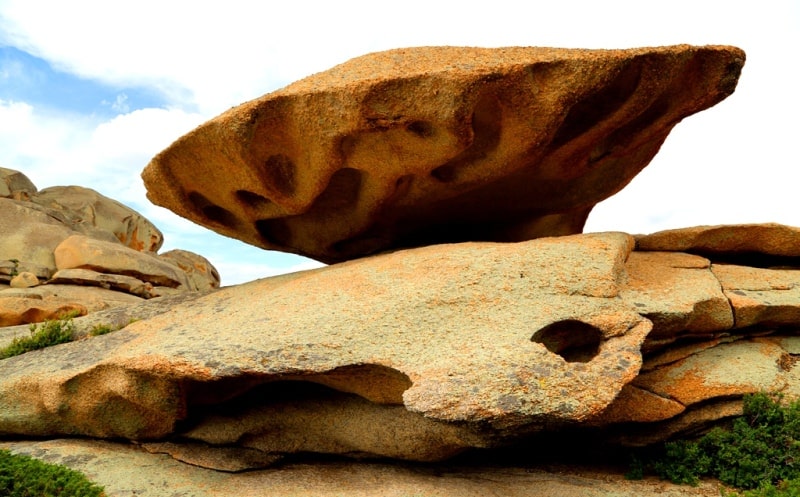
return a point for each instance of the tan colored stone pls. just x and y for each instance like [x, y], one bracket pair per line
[677, 292]
[81, 252]
[118, 282]
[202, 274]
[9, 269]
[726, 370]
[769, 239]
[498, 339]
[125, 470]
[636, 405]
[30, 235]
[24, 280]
[44, 302]
[107, 308]
[16, 310]
[230, 459]
[761, 297]
[311, 420]
[691, 423]
[14, 184]
[88, 207]
[422, 145]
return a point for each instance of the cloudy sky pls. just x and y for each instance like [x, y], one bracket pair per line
[91, 90]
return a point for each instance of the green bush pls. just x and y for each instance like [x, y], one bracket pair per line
[22, 476]
[101, 329]
[761, 453]
[43, 335]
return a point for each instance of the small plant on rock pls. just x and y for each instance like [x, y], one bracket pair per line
[23, 476]
[42, 335]
[101, 329]
[760, 454]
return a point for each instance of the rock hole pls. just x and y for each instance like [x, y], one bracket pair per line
[279, 172]
[486, 120]
[341, 193]
[445, 174]
[274, 231]
[597, 106]
[252, 200]
[212, 211]
[421, 128]
[573, 340]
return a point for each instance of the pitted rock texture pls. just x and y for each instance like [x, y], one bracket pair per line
[421, 354]
[424, 352]
[70, 236]
[426, 145]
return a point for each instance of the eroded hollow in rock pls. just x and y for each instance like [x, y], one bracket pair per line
[573, 340]
[212, 211]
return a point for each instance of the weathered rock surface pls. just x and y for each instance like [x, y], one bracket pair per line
[755, 243]
[421, 354]
[30, 235]
[24, 279]
[125, 471]
[86, 206]
[481, 346]
[128, 284]
[766, 297]
[201, 273]
[678, 292]
[436, 144]
[82, 252]
[113, 246]
[103, 311]
[14, 184]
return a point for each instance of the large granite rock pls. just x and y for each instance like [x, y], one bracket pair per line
[473, 342]
[421, 354]
[425, 145]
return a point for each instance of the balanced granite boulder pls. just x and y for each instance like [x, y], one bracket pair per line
[425, 145]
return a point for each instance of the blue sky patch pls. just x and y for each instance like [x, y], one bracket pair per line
[25, 78]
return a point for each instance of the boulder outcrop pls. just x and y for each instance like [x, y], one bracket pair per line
[427, 145]
[422, 354]
[48, 235]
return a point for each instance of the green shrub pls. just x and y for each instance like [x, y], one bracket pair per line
[23, 476]
[760, 453]
[43, 335]
[101, 329]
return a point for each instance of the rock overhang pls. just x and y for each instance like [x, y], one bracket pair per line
[424, 145]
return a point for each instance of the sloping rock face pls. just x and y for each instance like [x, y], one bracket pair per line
[436, 144]
[58, 229]
[422, 354]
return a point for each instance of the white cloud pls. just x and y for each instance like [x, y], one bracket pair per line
[732, 163]
[120, 104]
